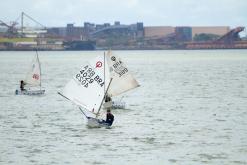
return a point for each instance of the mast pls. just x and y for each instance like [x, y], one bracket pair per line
[103, 98]
[105, 91]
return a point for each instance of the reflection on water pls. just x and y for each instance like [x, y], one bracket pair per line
[190, 109]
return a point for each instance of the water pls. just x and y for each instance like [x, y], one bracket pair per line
[190, 110]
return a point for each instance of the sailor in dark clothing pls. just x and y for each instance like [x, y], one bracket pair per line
[22, 85]
[109, 117]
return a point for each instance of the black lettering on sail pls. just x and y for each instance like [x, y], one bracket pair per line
[119, 68]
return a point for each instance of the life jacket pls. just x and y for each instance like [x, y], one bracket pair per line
[109, 118]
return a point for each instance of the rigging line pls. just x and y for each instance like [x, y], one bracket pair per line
[83, 112]
[34, 20]
[63, 96]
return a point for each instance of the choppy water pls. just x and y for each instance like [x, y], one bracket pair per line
[191, 109]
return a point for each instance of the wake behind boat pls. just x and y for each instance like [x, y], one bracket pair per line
[32, 80]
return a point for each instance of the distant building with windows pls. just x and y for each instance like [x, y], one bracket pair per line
[117, 23]
[183, 33]
[57, 31]
[74, 33]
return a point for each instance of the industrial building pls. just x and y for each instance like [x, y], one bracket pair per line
[108, 30]
[92, 36]
[189, 32]
[158, 31]
[183, 33]
[216, 30]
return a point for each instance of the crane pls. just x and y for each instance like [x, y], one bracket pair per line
[12, 30]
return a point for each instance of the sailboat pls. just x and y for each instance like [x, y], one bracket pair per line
[93, 81]
[87, 90]
[33, 79]
[122, 80]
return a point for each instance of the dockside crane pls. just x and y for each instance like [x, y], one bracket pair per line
[23, 15]
[231, 36]
[12, 30]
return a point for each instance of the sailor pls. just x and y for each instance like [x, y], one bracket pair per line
[22, 85]
[109, 117]
[107, 98]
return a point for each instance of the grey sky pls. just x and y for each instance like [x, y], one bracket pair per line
[151, 12]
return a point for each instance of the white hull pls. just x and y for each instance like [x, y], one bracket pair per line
[114, 105]
[118, 105]
[94, 123]
[29, 92]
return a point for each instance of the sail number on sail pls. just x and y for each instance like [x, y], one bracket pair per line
[36, 76]
[87, 76]
[119, 68]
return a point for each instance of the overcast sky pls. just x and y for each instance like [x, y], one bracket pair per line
[151, 12]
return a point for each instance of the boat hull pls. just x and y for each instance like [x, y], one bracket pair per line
[96, 123]
[29, 92]
[114, 105]
[118, 105]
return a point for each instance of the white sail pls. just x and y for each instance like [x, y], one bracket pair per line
[33, 77]
[87, 86]
[122, 80]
